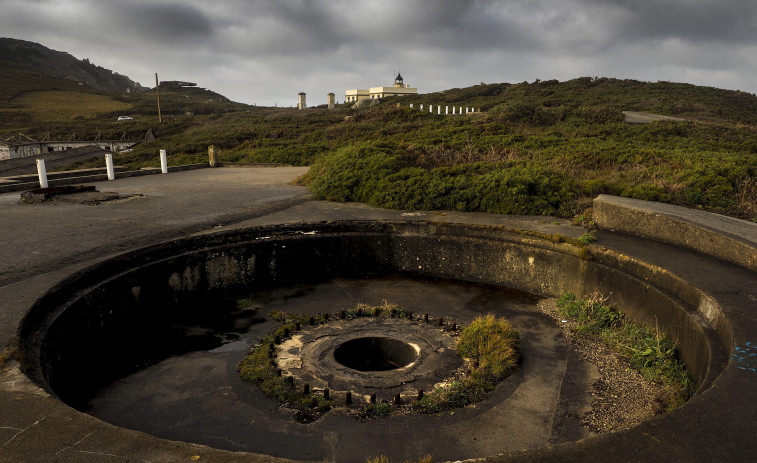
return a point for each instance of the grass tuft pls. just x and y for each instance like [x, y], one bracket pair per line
[493, 347]
[650, 352]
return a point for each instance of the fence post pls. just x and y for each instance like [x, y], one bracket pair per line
[163, 162]
[109, 166]
[42, 173]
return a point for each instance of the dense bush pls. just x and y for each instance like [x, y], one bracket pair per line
[378, 174]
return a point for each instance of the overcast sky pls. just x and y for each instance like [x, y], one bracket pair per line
[266, 51]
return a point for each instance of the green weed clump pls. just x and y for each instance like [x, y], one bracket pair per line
[493, 346]
[650, 352]
[379, 410]
[492, 343]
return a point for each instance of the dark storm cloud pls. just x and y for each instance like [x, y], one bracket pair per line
[169, 22]
[373, 27]
[265, 51]
[690, 20]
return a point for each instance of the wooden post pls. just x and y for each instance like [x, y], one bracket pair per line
[157, 92]
[212, 156]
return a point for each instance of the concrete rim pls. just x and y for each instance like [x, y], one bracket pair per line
[701, 303]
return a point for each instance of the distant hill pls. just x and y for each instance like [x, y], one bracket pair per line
[33, 57]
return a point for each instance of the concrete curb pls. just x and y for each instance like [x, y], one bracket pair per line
[726, 238]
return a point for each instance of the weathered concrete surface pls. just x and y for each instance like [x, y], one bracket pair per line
[723, 237]
[177, 404]
[38, 238]
[717, 425]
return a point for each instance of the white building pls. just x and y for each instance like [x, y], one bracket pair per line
[399, 89]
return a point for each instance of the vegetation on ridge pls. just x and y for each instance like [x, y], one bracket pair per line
[545, 147]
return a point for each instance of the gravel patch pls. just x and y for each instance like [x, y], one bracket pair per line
[622, 398]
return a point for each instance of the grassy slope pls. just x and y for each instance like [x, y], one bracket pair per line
[63, 105]
[544, 147]
[37, 104]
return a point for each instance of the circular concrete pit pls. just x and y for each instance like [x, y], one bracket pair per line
[375, 353]
[368, 355]
[141, 311]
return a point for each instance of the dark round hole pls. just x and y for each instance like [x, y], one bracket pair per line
[375, 354]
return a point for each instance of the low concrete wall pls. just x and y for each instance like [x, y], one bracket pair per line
[69, 330]
[726, 238]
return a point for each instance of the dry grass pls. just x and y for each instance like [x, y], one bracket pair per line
[746, 194]
[62, 105]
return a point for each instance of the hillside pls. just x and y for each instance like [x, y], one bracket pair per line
[545, 147]
[48, 92]
[21, 55]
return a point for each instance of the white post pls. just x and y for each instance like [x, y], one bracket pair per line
[453, 109]
[466, 110]
[438, 109]
[411, 106]
[421, 106]
[42, 173]
[430, 108]
[163, 162]
[446, 110]
[109, 166]
[461, 110]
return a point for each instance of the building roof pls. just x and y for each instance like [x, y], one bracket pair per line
[18, 139]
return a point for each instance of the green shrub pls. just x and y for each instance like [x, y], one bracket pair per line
[492, 343]
[379, 175]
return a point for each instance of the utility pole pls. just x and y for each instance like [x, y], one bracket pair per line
[157, 92]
